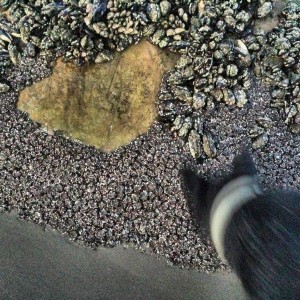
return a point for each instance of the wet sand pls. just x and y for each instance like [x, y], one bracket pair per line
[45, 265]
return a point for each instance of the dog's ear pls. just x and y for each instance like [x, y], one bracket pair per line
[243, 165]
[195, 190]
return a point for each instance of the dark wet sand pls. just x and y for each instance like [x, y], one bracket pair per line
[45, 265]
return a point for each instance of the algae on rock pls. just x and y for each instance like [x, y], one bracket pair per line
[105, 105]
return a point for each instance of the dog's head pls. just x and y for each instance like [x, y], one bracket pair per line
[257, 232]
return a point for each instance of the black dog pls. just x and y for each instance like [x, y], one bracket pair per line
[256, 232]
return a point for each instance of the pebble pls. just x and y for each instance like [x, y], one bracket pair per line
[209, 146]
[229, 97]
[232, 70]
[186, 127]
[199, 100]
[104, 56]
[170, 32]
[154, 12]
[260, 141]
[240, 96]
[165, 7]
[179, 30]
[4, 88]
[264, 9]
[31, 50]
[194, 141]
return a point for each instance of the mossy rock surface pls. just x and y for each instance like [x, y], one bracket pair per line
[105, 105]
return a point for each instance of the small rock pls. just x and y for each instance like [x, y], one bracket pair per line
[295, 128]
[243, 16]
[179, 30]
[182, 93]
[242, 48]
[255, 131]
[14, 54]
[198, 125]
[170, 32]
[260, 141]
[278, 93]
[296, 91]
[291, 112]
[157, 36]
[186, 127]
[185, 18]
[177, 123]
[230, 21]
[30, 49]
[194, 141]
[164, 43]
[232, 70]
[240, 96]
[217, 94]
[187, 73]
[265, 122]
[180, 11]
[153, 12]
[4, 88]
[2, 157]
[98, 27]
[264, 10]
[282, 44]
[104, 57]
[165, 7]
[199, 100]
[228, 97]
[209, 146]
[83, 41]
[149, 30]
[221, 82]
[297, 117]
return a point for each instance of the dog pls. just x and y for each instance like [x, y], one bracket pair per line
[256, 232]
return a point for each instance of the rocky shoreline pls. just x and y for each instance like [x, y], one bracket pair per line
[209, 107]
[133, 194]
[223, 46]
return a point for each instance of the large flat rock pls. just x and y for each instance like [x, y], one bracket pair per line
[105, 105]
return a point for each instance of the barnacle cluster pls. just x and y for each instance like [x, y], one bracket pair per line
[222, 50]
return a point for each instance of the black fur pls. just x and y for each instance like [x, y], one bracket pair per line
[262, 241]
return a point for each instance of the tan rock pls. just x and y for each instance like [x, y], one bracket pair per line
[105, 105]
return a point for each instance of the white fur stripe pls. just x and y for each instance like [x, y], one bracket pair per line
[227, 202]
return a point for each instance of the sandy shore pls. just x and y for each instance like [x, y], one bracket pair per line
[44, 265]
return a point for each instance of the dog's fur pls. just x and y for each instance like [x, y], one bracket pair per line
[262, 239]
